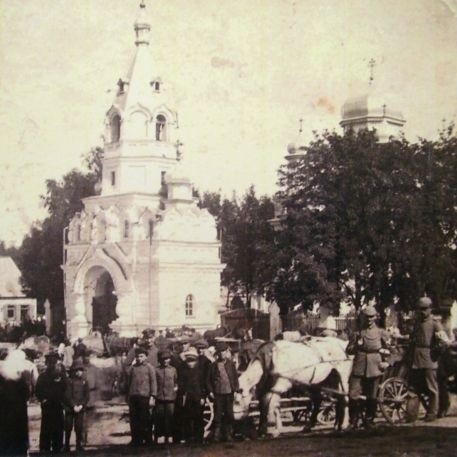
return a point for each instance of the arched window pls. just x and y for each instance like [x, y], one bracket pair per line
[161, 128]
[115, 128]
[189, 305]
[126, 229]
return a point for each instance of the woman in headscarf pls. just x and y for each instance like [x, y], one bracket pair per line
[17, 379]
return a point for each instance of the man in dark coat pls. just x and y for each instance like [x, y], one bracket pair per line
[367, 368]
[222, 383]
[427, 334]
[142, 391]
[192, 385]
[76, 399]
[50, 392]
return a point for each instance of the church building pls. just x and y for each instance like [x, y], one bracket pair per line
[142, 254]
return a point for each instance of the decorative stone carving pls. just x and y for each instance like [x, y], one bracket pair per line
[112, 224]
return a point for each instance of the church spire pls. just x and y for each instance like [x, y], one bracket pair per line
[142, 26]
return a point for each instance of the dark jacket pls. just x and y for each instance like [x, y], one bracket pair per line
[76, 393]
[141, 380]
[192, 382]
[50, 391]
[212, 379]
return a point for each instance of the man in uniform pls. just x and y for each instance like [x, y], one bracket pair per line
[427, 334]
[367, 367]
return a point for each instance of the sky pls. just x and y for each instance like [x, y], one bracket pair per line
[242, 73]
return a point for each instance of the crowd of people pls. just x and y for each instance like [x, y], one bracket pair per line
[166, 390]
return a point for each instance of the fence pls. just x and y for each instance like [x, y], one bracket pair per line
[310, 323]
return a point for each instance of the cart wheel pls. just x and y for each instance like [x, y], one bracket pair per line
[208, 415]
[393, 400]
[327, 413]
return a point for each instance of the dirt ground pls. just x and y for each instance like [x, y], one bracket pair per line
[110, 434]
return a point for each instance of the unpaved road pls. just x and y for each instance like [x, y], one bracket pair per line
[110, 436]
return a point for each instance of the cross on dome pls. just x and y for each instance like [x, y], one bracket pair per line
[371, 64]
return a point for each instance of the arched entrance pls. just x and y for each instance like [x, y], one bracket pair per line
[101, 298]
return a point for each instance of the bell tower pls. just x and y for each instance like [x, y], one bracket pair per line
[140, 127]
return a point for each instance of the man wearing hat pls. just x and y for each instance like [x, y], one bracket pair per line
[142, 390]
[192, 386]
[76, 399]
[368, 366]
[167, 386]
[50, 391]
[427, 333]
[222, 383]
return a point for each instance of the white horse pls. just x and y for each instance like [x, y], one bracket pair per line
[282, 364]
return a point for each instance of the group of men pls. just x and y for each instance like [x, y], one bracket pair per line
[167, 391]
[370, 347]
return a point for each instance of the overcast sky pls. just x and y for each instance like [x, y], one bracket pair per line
[242, 71]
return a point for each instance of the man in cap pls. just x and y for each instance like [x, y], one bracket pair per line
[142, 390]
[427, 334]
[368, 366]
[222, 383]
[146, 342]
[76, 399]
[50, 391]
[192, 385]
[167, 386]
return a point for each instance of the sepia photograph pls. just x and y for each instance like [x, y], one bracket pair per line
[229, 228]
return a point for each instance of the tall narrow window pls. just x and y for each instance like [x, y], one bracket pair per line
[161, 128]
[115, 128]
[10, 312]
[189, 305]
[113, 178]
[126, 229]
[78, 232]
[157, 86]
[24, 312]
[162, 178]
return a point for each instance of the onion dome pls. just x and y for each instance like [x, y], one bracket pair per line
[373, 110]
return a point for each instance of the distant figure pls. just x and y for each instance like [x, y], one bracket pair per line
[50, 392]
[67, 355]
[80, 349]
[17, 380]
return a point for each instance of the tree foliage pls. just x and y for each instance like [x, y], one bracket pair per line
[41, 254]
[247, 238]
[367, 221]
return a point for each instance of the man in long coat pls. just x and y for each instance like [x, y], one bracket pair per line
[50, 391]
[367, 367]
[427, 334]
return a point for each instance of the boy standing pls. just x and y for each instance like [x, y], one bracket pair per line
[76, 398]
[142, 390]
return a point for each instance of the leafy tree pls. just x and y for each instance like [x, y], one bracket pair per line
[366, 221]
[41, 254]
[246, 236]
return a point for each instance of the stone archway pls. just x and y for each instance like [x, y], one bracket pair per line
[100, 298]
